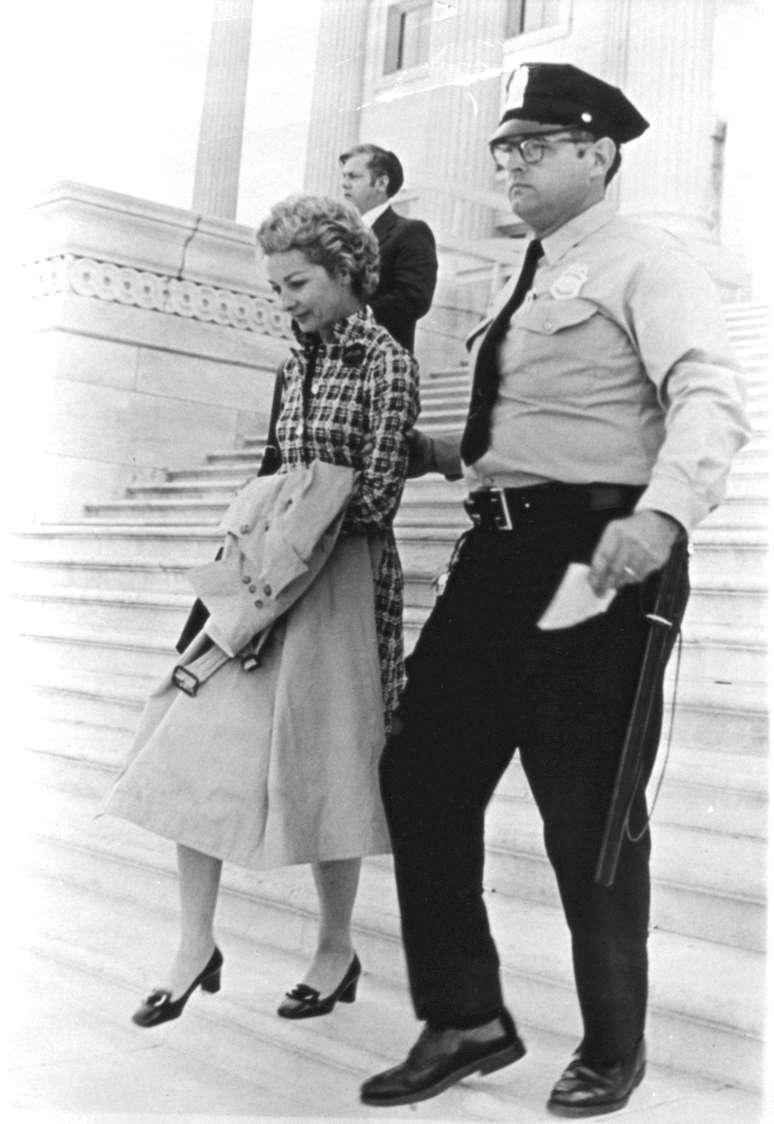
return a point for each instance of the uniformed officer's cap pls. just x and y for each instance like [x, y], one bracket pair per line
[550, 94]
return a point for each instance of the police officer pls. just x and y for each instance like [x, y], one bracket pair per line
[604, 416]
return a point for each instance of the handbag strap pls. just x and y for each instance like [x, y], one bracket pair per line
[271, 454]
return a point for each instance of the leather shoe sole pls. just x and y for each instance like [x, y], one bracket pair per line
[594, 1099]
[486, 1063]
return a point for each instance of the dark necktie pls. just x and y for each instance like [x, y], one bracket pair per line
[486, 377]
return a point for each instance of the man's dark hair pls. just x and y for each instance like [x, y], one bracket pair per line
[381, 163]
[588, 135]
[611, 171]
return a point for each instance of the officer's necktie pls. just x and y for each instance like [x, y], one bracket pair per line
[486, 377]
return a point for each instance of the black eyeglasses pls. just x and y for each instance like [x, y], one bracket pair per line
[530, 149]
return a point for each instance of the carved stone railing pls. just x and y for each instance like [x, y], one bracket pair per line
[158, 291]
[155, 339]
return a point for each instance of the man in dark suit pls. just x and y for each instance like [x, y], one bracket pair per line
[370, 176]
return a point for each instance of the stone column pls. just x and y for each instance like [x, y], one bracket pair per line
[660, 53]
[464, 106]
[337, 91]
[216, 181]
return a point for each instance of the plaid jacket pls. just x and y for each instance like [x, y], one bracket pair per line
[360, 385]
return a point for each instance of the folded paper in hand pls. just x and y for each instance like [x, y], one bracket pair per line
[574, 600]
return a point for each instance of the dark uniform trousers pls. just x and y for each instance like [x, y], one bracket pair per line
[483, 681]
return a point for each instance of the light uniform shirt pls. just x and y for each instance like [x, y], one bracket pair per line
[370, 217]
[616, 368]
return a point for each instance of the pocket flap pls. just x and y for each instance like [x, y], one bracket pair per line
[551, 316]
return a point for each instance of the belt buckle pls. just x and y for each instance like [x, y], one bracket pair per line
[501, 516]
[488, 509]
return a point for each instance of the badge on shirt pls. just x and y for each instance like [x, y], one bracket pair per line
[570, 283]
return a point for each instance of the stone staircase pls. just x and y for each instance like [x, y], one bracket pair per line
[100, 601]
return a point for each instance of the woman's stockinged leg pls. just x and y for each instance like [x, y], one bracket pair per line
[198, 883]
[336, 881]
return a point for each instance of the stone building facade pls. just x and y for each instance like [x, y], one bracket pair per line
[154, 333]
[429, 79]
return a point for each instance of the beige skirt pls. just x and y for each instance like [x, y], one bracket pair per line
[277, 765]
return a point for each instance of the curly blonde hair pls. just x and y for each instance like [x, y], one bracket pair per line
[329, 233]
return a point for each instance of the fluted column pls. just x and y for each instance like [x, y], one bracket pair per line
[660, 53]
[337, 91]
[466, 83]
[216, 181]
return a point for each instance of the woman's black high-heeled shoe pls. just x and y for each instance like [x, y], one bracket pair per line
[160, 1007]
[304, 1002]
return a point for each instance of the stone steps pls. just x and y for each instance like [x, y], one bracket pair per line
[703, 786]
[713, 602]
[86, 618]
[100, 601]
[736, 657]
[718, 904]
[717, 550]
[738, 717]
[154, 507]
[278, 908]
[229, 1057]
[719, 554]
[716, 602]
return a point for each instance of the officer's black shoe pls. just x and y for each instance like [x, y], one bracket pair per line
[587, 1089]
[440, 1058]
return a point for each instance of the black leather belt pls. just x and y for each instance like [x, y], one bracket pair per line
[505, 509]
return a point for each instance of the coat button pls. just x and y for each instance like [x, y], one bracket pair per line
[267, 590]
[253, 588]
[246, 579]
[244, 528]
[258, 604]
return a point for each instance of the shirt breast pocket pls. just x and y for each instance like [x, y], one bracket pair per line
[559, 343]
[550, 317]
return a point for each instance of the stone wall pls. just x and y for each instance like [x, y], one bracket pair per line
[153, 342]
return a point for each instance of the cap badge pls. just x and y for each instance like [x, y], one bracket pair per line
[515, 88]
[570, 283]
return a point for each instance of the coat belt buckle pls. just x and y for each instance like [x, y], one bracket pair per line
[185, 680]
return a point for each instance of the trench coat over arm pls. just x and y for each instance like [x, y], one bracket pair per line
[279, 532]
[278, 765]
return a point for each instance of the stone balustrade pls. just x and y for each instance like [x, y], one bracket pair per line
[154, 340]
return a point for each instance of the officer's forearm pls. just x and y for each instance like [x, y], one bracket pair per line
[434, 454]
[446, 455]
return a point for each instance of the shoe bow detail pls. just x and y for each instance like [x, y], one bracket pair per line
[158, 998]
[160, 1007]
[304, 993]
[304, 1002]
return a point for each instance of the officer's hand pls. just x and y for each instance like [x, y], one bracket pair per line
[421, 453]
[632, 548]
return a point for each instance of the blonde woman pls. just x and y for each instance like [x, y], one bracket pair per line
[349, 397]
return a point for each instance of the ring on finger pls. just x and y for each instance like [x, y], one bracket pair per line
[631, 573]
